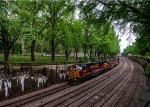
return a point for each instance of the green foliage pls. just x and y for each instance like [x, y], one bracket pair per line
[16, 49]
[53, 26]
[147, 71]
[81, 60]
[124, 12]
[131, 49]
[77, 34]
[86, 58]
[93, 58]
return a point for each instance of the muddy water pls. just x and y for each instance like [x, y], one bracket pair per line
[25, 80]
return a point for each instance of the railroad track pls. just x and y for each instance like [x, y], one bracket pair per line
[100, 91]
[78, 94]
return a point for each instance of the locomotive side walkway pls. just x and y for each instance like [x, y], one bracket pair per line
[118, 87]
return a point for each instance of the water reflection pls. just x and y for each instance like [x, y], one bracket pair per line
[21, 81]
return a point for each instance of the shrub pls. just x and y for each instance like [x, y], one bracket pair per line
[81, 60]
[86, 59]
[147, 71]
[93, 59]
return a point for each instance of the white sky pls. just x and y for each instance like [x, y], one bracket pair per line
[124, 42]
[126, 36]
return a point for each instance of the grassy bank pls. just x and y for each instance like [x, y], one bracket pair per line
[38, 59]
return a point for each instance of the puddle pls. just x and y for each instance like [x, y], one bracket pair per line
[25, 80]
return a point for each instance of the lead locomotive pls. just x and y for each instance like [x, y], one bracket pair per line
[80, 72]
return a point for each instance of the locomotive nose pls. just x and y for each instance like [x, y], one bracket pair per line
[74, 73]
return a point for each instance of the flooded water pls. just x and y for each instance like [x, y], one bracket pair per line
[25, 80]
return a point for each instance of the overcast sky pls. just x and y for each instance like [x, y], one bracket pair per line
[126, 39]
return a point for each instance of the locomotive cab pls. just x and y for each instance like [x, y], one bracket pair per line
[77, 72]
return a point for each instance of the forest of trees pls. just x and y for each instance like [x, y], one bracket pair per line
[52, 27]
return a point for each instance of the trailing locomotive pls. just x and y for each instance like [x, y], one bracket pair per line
[80, 72]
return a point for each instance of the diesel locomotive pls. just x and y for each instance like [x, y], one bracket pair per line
[80, 72]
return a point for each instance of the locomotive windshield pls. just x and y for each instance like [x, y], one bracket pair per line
[79, 66]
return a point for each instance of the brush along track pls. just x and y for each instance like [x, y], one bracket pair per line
[99, 91]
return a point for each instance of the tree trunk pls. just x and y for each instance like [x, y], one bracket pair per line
[91, 53]
[66, 54]
[95, 54]
[42, 48]
[23, 46]
[76, 55]
[84, 51]
[6, 49]
[52, 50]
[33, 50]
[6, 54]
[98, 54]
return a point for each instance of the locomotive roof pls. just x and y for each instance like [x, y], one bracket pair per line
[96, 62]
[80, 64]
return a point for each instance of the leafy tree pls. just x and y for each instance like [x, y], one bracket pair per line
[131, 49]
[65, 37]
[77, 36]
[34, 26]
[56, 10]
[11, 23]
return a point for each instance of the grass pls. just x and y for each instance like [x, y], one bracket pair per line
[44, 59]
[38, 59]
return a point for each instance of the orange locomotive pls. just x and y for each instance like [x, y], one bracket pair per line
[80, 72]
